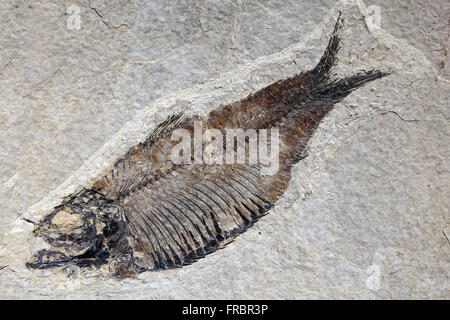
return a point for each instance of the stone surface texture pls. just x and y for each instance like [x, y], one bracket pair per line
[366, 215]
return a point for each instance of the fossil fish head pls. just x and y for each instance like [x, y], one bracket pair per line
[66, 227]
[79, 232]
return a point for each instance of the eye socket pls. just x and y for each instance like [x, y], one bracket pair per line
[66, 218]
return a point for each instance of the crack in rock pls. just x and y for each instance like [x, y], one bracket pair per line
[445, 235]
[103, 20]
[399, 116]
[40, 86]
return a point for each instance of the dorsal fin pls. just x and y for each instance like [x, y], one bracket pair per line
[166, 126]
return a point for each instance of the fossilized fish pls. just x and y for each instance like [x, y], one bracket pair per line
[150, 213]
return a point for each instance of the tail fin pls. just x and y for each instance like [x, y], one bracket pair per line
[337, 90]
[329, 57]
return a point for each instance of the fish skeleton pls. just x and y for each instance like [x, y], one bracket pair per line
[150, 213]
